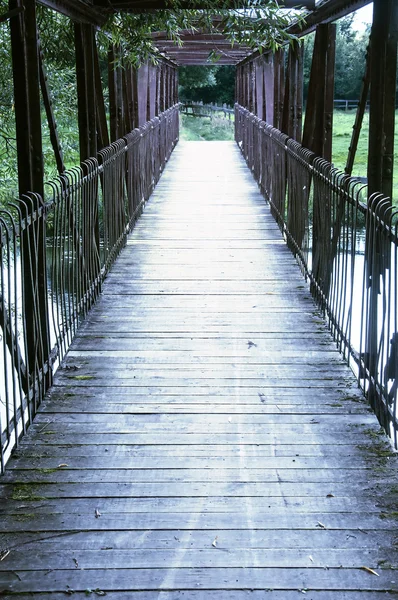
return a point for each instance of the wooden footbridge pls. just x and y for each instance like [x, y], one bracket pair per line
[203, 437]
[199, 341]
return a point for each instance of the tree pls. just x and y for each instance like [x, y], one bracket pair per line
[350, 59]
[207, 84]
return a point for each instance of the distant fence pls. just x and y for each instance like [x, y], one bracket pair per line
[196, 109]
[325, 217]
[350, 104]
[347, 104]
[55, 255]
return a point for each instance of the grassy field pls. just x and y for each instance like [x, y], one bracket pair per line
[342, 129]
[201, 128]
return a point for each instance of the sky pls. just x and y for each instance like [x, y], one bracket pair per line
[363, 15]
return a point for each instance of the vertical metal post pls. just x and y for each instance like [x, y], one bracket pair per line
[318, 125]
[48, 106]
[152, 93]
[383, 71]
[102, 124]
[260, 96]
[279, 87]
[269, 88]
[142, 93]
[112, 94]
[86, 92]
[359, 115]
[157, 97]
[25, 65]
[293, 100]
[162, 99]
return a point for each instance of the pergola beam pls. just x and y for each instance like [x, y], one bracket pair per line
[80, 11]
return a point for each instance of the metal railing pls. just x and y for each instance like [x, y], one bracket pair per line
[347, 247]
[55, 254]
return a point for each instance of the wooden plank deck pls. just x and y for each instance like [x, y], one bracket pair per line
[204, 438]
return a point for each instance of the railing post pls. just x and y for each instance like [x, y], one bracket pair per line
[318, 125]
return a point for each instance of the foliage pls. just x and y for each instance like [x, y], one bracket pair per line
[8, 157]
[350, 59]
[204, 129]
[56, 36]
[207, 84]
[260, 25]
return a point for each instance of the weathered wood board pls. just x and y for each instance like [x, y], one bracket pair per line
[204, 438]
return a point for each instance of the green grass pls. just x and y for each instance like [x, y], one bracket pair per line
[342, 129]
[194, 129]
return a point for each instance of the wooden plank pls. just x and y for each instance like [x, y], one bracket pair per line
[229, 595]
[314, 539]
[185, 521]
[209, 558]
[187, 579]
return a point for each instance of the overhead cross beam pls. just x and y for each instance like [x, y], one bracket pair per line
[80, 11]
[144, 5]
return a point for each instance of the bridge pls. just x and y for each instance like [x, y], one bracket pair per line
[200, 407]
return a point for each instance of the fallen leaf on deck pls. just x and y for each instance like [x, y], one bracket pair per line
[321, 525]
[99, 592]
[311, 559]
[329, 495]
[97, 513]
[83, 377]
[4, 554]
[63, 465]
[214, 544]
[251, 344]
[370, 571]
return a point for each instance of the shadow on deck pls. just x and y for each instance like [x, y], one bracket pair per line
[204, 438]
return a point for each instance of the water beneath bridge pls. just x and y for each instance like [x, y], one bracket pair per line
[204, 438]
